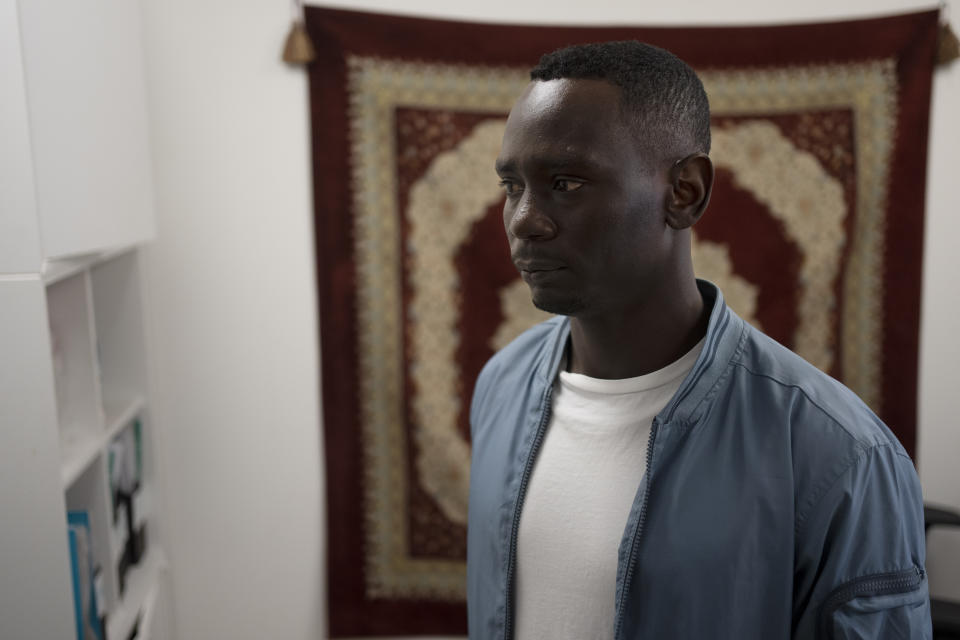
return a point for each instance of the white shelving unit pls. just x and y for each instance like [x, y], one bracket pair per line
[95, 312]
[90, 357]
[76, 207]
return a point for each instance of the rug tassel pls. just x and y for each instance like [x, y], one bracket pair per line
[298, 48]
[948, 48]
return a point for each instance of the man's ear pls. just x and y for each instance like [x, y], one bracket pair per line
[691, 181]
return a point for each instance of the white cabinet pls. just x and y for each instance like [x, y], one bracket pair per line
[19, 226]
[72, 381]
[76, 205]
[36, 600]
[75, 169]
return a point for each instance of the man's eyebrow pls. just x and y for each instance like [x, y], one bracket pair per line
[557, 162]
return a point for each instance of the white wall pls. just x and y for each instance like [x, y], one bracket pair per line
[234, 342]
[233, 326]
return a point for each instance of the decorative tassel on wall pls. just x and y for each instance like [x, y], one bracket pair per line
[298, 48]
[948, 47]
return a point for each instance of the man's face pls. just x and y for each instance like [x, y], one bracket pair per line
[584, 208]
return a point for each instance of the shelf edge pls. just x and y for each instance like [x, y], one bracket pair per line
[74, 467]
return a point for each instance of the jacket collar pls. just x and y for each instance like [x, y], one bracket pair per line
[726, 333]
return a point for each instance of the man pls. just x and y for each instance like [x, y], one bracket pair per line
[647, 465]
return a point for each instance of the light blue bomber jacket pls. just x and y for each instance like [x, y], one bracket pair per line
[775, 503]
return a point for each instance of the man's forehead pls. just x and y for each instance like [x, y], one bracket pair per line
[565, 106]
[567, 118]
[545, 97]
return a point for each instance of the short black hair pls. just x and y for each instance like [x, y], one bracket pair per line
[662, 93]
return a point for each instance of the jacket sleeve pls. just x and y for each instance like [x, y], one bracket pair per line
[861, 551]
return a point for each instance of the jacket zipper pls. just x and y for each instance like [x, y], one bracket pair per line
[527, 470]
[880, 584]
[632, 558]
[641, 520]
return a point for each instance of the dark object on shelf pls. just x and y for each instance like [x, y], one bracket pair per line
[125, 466]
[132, 551]
[135, 632]
[945, 613]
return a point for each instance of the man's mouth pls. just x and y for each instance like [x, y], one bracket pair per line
[535, 266]
[538, 271]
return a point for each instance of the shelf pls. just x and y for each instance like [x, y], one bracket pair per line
[80, 447]
[119, 417]
[78, 450]
[118, 318]
[54, 271]
[75, 370]
[95, 314]
[61, 268]
[143, 584]
[74, 183]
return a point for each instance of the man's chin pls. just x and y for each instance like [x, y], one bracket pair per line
[559, 305]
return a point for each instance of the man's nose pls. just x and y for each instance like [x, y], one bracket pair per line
[530, 222]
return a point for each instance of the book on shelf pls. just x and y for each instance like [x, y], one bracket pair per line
[88, 601]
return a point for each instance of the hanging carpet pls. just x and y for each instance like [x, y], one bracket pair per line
[814, 233]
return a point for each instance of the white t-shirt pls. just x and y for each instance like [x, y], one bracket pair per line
[579, 496]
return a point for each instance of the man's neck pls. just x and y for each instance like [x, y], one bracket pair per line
[640, 340]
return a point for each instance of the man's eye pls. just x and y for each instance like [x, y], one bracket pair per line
[510, 188]
[566, 185]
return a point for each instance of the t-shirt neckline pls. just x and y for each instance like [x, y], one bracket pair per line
[678, 368]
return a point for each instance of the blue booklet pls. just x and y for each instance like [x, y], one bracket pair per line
[83, 573]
